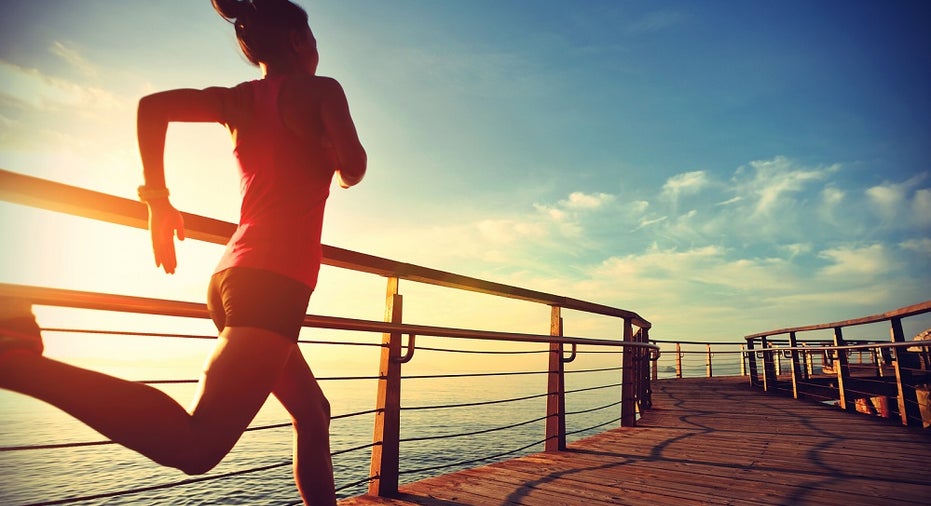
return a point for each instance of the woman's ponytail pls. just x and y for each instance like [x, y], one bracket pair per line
[233, 10]
[262, 26]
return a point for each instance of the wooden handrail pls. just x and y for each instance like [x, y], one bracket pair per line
[53, 196]
[143, 305]
[903, 312]
[909, 371]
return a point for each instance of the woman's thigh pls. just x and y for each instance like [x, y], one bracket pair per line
[298, 391]
[237, 379]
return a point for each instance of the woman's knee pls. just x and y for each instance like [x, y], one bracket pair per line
[315, 415]
[196, 461]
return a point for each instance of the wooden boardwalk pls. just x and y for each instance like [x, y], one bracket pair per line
[706, 441]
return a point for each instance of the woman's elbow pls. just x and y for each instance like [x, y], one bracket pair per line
[352, 173]
[348, 179]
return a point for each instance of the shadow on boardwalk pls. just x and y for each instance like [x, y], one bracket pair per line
[707, 441]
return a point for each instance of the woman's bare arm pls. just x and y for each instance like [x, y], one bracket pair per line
[341, 132]
[154, 113]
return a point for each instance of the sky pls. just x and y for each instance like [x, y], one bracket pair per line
[719, 167]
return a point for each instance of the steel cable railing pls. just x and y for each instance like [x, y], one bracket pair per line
[188, 481]
[358, 482]
[471, 434]
[382, 479]
[689, 359]
[885, 379]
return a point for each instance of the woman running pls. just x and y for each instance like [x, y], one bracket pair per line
[292, 132]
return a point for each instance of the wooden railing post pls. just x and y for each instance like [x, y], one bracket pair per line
[646, 387]
[678, 361]
[386, 452]
[809, 362]
[876, 356]
[708, 361]
[904, 362]
[751, 364]
[743, 360]
[629, 379]
[654, 367]
[797, 371]
[842, 369]
[769, 367]
[556, 389]
[778, 357]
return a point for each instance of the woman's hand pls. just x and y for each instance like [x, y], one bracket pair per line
[164, 223]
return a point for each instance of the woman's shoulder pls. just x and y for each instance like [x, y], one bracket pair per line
[304, 90]
[307, 83]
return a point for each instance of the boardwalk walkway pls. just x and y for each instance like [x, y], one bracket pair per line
[706, 441]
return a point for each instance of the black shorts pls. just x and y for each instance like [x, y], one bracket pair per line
[243, 297]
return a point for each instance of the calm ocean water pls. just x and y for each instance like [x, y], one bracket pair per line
[40, 476]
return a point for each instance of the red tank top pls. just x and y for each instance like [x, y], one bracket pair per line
[283, 198]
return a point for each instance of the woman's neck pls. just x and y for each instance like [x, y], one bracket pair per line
[271, 70]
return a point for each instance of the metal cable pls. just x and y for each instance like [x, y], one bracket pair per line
[470, 404]
[483, 352]
[606, 406]
[473, 375]
[475, 433]
[586, 389]
[59, 446]
[162, 486]
[185, 336]
[596, 370]
[354, 449]
[350, 485]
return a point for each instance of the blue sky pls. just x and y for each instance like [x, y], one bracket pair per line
[719, 167]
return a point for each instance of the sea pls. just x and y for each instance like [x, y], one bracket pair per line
[499, 423]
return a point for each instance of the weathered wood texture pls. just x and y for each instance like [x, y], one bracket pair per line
[706, 441]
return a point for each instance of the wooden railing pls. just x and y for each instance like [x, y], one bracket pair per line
[634, 344]
[693, 359]
[885, 377]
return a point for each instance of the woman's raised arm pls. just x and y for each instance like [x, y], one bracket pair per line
[152, 118]
[341, 131]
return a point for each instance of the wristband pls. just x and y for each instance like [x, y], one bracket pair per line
[147, 194]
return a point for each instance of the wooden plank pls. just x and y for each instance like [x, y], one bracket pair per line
[708, 441]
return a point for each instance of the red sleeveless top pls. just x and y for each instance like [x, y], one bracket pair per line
[283, 198]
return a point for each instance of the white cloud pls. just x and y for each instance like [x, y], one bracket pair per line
[552, 212]
[730, 201]
[685, 184]
[922, 245]
[647, 222]
[887, 199]
[506, 231]
[40, 91]
[831, 196]
[770, 183]
[921, 208]
[891, 201]
[580, 200]
[73, 58]
[853, 261]
[796, 249]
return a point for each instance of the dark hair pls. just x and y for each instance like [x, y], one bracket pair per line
[263, 27]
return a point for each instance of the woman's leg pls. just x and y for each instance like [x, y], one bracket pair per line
[300, 394]
[238, 377]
